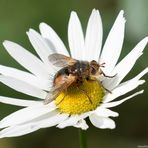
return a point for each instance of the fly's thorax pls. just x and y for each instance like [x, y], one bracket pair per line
[81, 69]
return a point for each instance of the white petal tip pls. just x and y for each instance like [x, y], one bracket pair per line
[73, 17]
[140, 92]
[73, 13]
[98, 11]
[145, 40]
[43, 25]
[141, 74]
[8, 44]
[27, 32]
[122, 12]
[84, 128]
[95, 11]
[5, 42]
[31, 30]
[61, 127]
[142, 82]
[146, 69]
[135, 94]
[141, 45]
[121, 15]
[111, 126]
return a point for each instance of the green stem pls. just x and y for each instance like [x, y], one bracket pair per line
[82, 137]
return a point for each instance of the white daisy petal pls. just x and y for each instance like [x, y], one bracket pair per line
[122, 89]
[73, 119]
[23, 87]
[41, 47]
[18, 102]
[25, 76]
[49, 34]
[27, 127]
[104, 112]
[81, 124]
[44, 118]
[113, 45]
[93, 39]
[102, 122]
[19, 130]
[23, 129]
[116, 103]
[69, 122]
[141, 74]
[28, 114]
[36, 121]
[52, 121]
[49, 119]
[75, 37]
[26, 59]
[122, 69]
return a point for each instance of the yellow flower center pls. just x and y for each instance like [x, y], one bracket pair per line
[80, 99]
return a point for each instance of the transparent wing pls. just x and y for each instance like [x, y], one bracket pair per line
[59, 87]
[51, 96]
[60, 60]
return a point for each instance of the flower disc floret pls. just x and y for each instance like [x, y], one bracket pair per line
[80, 99]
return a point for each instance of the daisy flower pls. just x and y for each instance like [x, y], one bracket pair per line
[75, 107]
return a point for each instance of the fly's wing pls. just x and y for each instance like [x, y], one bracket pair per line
[60, 60]
[52, 94]
[59, 87]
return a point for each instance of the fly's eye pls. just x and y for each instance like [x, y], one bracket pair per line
[94, 67]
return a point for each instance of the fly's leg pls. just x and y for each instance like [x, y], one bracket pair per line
[85, 92]
[94, 80]
[101, 72]
[106, 89]
[100, 83]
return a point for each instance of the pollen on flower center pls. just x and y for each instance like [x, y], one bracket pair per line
[77, 100]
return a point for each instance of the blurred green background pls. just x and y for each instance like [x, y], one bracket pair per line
[17, 16]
